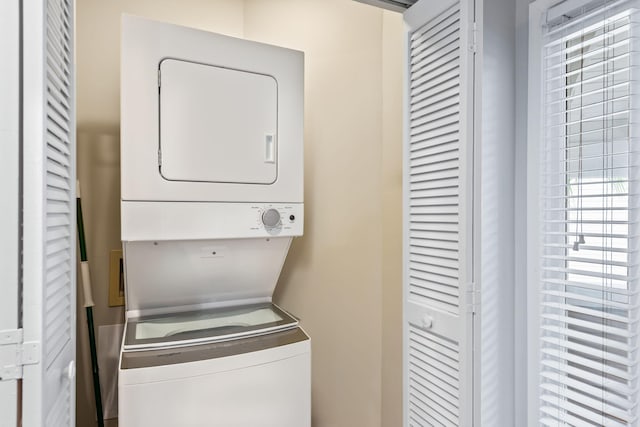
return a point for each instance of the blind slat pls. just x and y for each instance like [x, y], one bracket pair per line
[580, 373]
[591, 329]
[604, 63]
[578, 395]
[587, 299]
[574, 345]
[569, 334]
[566, 98]
[564, 282]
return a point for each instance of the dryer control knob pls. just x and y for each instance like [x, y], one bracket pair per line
[271, 218]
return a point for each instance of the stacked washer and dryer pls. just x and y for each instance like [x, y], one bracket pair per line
[212, 196]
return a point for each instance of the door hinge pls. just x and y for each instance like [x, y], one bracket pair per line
[14, 354]
[473, 298]
[159, 158]
[473, 44]
[159, 77]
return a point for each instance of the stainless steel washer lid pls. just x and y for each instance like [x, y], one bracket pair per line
[204, 326]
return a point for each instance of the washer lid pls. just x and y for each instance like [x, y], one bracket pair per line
[204, 326]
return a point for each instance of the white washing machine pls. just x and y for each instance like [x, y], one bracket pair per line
[238, 366]
[212, 180]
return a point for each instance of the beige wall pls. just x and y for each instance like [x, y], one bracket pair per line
[343, 276]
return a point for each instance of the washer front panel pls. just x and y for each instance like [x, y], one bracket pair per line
[171, 356]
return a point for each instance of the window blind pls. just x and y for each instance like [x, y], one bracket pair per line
[590, 188]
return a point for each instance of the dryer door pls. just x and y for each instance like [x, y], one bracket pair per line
[217, 124]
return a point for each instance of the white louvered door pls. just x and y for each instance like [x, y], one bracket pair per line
[49, 291]
[438, 215]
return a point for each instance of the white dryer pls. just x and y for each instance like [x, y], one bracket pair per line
[212, 196]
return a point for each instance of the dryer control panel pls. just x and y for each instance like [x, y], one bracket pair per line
[277, 218]
[159, 220]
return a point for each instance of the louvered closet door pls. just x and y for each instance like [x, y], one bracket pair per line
[49, 213]
[438, 212]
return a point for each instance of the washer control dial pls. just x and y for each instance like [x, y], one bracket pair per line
[271, 218]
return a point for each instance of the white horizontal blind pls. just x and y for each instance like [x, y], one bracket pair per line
[590, 184]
